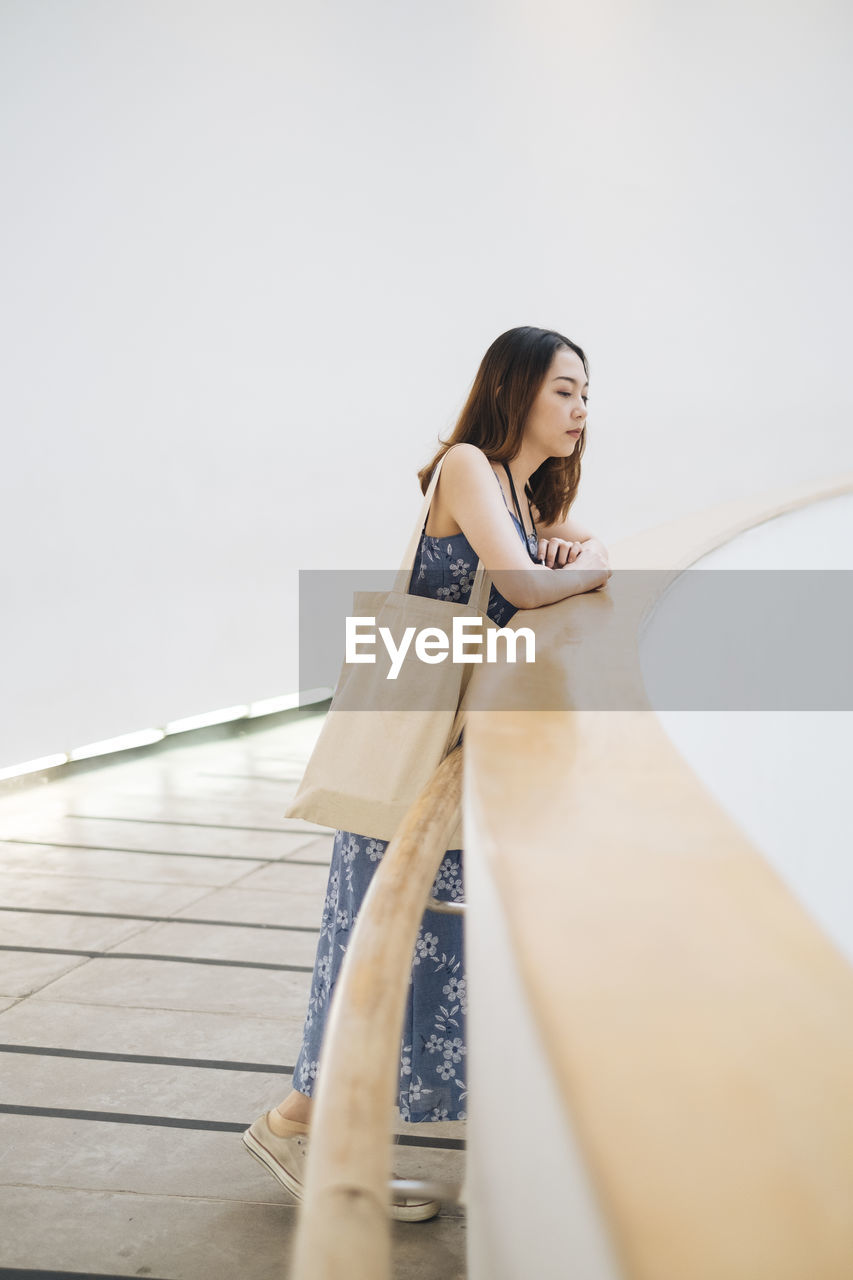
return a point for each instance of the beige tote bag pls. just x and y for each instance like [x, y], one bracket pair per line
[375, 752]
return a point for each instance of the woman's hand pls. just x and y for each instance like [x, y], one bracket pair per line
[597, 565]
[556, 553]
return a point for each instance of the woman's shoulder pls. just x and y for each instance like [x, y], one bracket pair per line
[462, 487]
[463, 458]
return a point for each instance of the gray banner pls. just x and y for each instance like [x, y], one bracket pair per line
[698, 640]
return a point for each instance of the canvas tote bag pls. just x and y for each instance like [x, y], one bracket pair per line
[382, 740]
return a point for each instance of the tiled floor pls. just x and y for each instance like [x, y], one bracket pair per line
[158, 921]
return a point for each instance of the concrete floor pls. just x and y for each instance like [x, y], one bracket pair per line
[157, 933]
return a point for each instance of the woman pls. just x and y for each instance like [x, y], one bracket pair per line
[522, 430]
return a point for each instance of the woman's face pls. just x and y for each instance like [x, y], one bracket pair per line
[559, 407]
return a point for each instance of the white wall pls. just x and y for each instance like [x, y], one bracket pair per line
[253, 254]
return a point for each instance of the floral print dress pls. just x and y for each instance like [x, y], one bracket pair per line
[433, 1045]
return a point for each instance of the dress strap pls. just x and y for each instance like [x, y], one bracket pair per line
[517, 506]
[503, 495]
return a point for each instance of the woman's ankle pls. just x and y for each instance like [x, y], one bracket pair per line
[284, 1126]
[296, 1107]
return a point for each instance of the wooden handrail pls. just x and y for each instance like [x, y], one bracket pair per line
[344, 1223]
[697, 1021]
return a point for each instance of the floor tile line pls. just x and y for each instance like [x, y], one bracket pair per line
[141, 955]
[47, 995]
[286, 861]
[147, 1059]
[124, 915]
[211, 1126]
[163, 853]
[122, 1117]
[152, 853]
[39, 1273]
[213, 826]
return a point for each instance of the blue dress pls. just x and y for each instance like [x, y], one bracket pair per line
[433, 1043]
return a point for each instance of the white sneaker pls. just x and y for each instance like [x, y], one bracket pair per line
[285, 1158]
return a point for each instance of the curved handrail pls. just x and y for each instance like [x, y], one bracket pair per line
[347, 1177]
[723, 1019]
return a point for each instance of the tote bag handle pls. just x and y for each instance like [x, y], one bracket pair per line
[480, 601]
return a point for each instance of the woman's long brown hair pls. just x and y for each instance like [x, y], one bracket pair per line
[517, 362]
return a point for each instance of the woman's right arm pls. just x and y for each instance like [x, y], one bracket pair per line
[475, 502]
